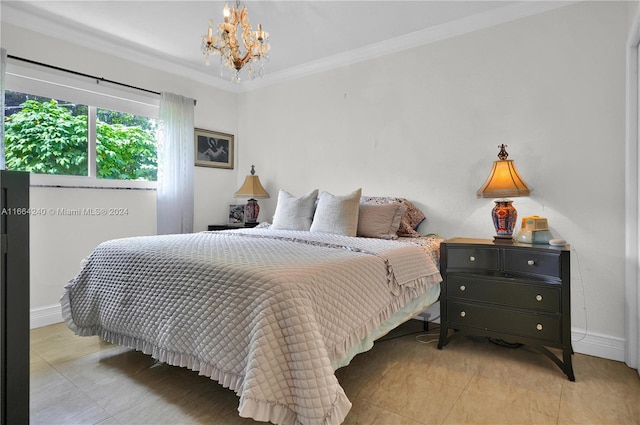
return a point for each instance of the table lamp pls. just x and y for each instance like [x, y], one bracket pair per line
[252, 188]
[503, 182]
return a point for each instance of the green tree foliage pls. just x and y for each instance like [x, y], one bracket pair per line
[48, 138]
[45, 138]
[125, 152]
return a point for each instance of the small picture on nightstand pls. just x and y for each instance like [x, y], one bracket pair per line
[236, 215]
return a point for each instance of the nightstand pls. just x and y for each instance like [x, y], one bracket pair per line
[517, 293]
[211, 227]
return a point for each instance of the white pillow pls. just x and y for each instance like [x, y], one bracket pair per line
[294, 213]
[337, 214]
[380, 221]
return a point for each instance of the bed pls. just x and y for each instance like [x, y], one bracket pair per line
[266, 312]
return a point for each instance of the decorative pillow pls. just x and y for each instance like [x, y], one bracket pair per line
[294, 213]
[411, 219]
[380, 221]
[337, 214]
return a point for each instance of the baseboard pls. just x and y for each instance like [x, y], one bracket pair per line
[592, 344]
[45, 316]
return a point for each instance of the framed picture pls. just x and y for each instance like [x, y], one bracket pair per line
[213, 149]
[236, 215]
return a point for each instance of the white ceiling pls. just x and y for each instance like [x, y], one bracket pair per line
[305, 36]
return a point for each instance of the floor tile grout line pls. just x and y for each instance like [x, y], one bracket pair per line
[87, 394]
[67, 379]
[560, 403]
[453, 405]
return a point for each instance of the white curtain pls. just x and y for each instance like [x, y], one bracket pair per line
[175, 165]
[3, 66]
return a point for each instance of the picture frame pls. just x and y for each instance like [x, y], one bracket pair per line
[236, 214]
[213, 149]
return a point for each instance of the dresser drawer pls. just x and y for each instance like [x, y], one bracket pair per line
[473, 258]
[509, 292]
[529, 325]
[532, 262]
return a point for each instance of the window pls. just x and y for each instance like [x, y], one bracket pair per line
[65, 134]
[125, 146]
[44, 135]
[50, 136]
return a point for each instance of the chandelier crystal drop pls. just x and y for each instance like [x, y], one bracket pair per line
[226, 43]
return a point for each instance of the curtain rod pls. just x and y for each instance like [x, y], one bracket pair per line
[82, 74]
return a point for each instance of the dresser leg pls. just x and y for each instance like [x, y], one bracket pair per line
[443, 336]
[568, 365]
[565, 364]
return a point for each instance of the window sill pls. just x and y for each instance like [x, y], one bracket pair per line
[46, 180]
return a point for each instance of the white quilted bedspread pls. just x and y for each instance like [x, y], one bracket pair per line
[263, 312]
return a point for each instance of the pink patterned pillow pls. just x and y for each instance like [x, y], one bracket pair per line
[411, 218]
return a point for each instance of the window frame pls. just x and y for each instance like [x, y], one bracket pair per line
[60, 85]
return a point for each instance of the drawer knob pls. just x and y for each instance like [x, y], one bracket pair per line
[539, 327]
[472, 258]
[463, 288]
[538, 297]
[464, 313]
[531, 262]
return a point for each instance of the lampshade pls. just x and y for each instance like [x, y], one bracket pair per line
[252, 188]
[504, 180]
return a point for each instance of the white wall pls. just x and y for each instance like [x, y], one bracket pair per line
[425, 124]
[59, 242]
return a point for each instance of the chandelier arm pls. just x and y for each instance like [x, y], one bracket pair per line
[247, 57]
[247, 35]
[212, 48]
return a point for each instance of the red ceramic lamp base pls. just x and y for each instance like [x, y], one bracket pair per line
[251, 211]
[504, 217]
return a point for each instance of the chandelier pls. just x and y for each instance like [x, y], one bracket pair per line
[227, 45]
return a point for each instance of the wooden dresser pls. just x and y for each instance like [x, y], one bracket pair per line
[510, 292]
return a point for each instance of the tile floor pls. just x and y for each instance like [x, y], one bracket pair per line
[400, 381]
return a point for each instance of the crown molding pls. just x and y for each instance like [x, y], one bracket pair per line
[21, 15]
[410, 41]
[32, 19]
